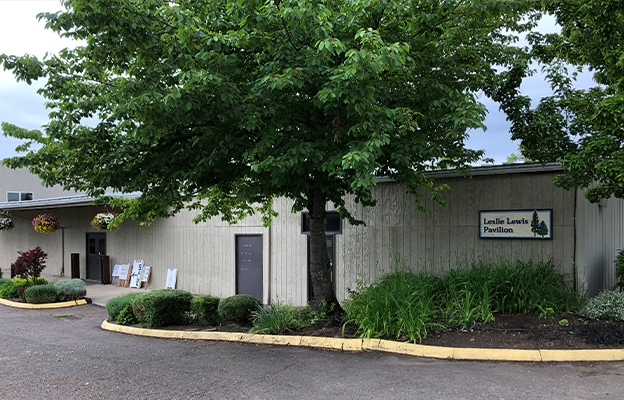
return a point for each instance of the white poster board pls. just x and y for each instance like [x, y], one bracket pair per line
[172, 275]
[123, 271]
[116, 270]
[135, 278]
[145, 273]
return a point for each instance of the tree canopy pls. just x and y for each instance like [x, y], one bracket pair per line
[583, 129]
[222, 106]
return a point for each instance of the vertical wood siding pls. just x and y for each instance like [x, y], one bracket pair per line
[395, 231]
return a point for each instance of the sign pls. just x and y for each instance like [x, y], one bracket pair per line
[135, 278]
[145, 272]
[516, 224]
[172, 275]
[123, 271]
[116, 270]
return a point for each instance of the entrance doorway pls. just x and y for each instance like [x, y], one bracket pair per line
[96, 246]
[249, 265]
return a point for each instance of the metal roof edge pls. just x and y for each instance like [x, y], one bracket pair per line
[483, 170]
[56, 202]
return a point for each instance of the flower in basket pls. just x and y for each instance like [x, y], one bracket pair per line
[45, 223]
[6, 224]
[103, 221]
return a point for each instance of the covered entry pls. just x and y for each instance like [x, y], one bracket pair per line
[96, 246]
[249, 267]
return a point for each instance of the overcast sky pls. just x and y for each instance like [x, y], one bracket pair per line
[21, 33]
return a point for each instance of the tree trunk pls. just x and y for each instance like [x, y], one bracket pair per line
[320, 272]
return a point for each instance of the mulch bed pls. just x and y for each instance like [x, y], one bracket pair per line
[507, 331]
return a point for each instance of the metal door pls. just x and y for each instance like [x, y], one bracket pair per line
[96, 246]
[249, 265]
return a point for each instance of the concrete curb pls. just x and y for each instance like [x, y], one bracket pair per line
[64, 304]
[387, 346]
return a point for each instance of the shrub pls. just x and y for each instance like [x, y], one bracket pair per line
[205, 308]
[163, 307]
[279, 318]
[400, 305]
[30, 263]
[40, 294]
[238, 308]
[3, 281]
[70, 289]
[116, 305]
[127, 317]
[607, 306]
[16, 287]
[619, 269]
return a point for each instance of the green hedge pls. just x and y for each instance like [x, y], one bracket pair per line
[16, 287]
[70, 289]
[163, 307]
[205, 308]
[41, 294]
[115, 305]
[238, 308]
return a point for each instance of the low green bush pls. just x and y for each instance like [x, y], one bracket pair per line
[70, 289]
[3, 281]
[127, 317]
[115, 305]
[238, 308]
[40, 294]
[163, 307]
[205, 308]
[16, 287]
[606, 306]
[279, 318]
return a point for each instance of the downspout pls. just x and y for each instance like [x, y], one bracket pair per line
[62, 251]
[574, 266]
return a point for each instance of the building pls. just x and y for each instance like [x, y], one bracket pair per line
[482, 220]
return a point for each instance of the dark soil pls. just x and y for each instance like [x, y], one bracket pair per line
[517, 331]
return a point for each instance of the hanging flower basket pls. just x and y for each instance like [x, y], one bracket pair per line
[6, 224]
[103, 221]
[45, 223]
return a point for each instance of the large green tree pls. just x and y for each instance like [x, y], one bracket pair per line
[583, 129]
[222, 106]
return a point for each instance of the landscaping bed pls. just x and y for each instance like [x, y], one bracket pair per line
[513, 306]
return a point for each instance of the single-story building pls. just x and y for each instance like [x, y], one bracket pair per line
[506, 211]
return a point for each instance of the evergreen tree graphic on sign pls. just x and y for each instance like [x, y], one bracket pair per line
[535, 223]
[542, 229]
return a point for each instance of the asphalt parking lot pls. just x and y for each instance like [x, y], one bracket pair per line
[63, 354]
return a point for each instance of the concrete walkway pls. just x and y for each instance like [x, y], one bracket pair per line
[100, 294]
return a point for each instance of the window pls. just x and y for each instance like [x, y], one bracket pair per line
[18, 196]
[333, 223]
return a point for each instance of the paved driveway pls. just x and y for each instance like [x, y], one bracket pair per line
[49, 355]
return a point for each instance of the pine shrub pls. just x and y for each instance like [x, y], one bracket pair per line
[70, 289]
[163, 307]
[205, 308]
[116, 305]
[40, 294]
[238, 308]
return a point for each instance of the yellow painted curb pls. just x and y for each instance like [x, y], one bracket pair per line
[387, 346]
[64, 304]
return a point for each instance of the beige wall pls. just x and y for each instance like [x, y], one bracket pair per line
[440, 237]
[21, 180]
[600, 232]
[204, 254]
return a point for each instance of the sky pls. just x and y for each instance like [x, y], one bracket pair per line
[21, 33]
